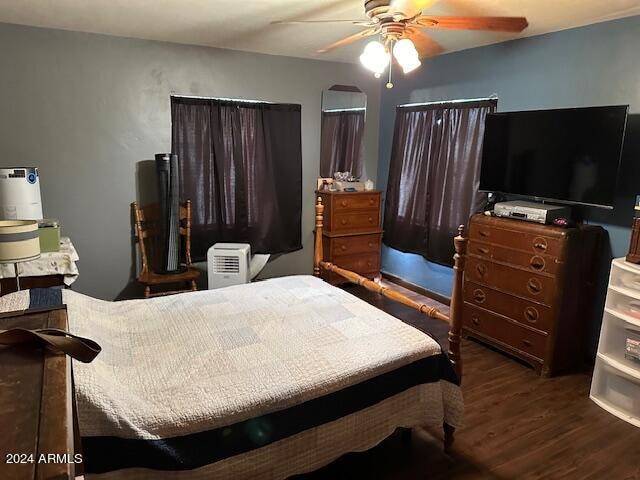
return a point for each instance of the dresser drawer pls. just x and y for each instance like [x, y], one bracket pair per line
[367, 265]
[536, 287]
[346, 202]
[499, 328]
[525, 241]
[355, 244]
[363, 263]
[522, 311]
[355, 222]
[535, 262]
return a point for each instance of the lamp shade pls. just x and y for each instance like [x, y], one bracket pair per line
[406, 55]
[375, 57]
[19, 241]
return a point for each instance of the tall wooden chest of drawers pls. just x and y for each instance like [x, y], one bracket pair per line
[352, 233]
[529, 289]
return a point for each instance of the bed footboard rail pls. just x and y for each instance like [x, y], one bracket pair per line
[455, 317]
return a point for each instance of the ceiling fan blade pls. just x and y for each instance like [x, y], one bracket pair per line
[409, 8]
[496, 24]
[348, 40]
[426, 46]
[364, 23]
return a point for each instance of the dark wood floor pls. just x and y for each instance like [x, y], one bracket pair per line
[517, 426]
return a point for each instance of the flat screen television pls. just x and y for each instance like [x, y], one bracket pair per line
[567, 155]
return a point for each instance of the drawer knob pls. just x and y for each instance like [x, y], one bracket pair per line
[537, 262]
[343, 247]
[540, 244]
[483, 250]
[527, 343]
[370, 244]
[344, 203]
[475, 320]
[370, 219]
[483, 233]
[534, 285]
[368, 264]
[479, 296]
[481, 269]
[343, 221]
[531, 314]
[371, 201]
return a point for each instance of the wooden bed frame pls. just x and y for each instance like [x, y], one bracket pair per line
[58, 432]
[455, 316]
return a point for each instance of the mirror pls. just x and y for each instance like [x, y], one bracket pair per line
[343, 118]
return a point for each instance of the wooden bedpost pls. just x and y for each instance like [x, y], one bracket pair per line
[455, 321]
[455, 316]
[317, 252]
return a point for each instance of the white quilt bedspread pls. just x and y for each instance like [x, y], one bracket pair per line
[197, 361]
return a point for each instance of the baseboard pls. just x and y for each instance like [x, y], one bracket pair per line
[417, 288]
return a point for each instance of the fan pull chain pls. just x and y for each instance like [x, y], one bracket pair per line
[390, 83]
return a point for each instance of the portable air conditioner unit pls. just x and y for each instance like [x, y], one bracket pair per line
[231, 264]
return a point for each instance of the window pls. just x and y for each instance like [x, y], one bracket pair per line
[240, 165]
[434, 175]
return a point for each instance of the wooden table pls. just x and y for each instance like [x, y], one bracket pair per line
[8, 285]
[36, 407]
[52, 269]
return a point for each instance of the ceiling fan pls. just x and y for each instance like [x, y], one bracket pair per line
[399, 24]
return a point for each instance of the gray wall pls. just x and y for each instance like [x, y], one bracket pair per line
[87, 108]
[593, 65]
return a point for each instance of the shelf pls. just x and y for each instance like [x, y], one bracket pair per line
[627, 292]
[623, 316]
[616, 411]
[619, 366]
[615, 385]
[624, 265]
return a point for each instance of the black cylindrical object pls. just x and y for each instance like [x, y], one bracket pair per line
[168, 191]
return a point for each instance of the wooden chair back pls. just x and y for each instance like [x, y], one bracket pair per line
[147, 234]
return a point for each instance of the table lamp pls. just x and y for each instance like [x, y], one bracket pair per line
[19, 242]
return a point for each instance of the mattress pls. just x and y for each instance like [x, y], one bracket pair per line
[264, 380]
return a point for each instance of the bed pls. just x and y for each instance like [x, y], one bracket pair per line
[265, 380]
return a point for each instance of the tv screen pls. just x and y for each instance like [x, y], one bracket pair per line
[569, 155]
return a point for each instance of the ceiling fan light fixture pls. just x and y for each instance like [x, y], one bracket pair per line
[375, 57]
[410, 66]
[406, 54]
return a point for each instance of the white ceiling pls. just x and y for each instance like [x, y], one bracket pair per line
[245, 24]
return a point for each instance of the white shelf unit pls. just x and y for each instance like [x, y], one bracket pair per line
[616, 378]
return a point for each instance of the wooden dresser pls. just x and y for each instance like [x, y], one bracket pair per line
[352, 233]
[529, 289]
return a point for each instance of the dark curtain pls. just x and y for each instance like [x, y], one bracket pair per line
[240, 165]
[434, 176]
[341, 147]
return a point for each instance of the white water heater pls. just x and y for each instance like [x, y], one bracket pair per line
[20, 194]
